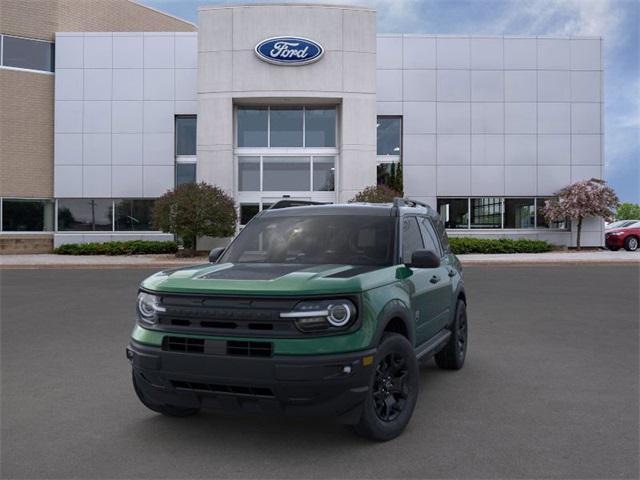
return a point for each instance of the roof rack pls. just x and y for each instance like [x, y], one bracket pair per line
[408, 202]
[286, 203]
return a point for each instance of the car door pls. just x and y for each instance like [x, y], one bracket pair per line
[440, 300]
[423, 288]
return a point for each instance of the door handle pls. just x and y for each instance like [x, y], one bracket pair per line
[435, 279]
[452, 272]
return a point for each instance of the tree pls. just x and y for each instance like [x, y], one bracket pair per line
[628, 211]
[194, 210]
[376, 194]
[586, 198]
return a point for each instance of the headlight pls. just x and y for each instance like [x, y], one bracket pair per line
[616, 233]
[148, 308]
[322, 315]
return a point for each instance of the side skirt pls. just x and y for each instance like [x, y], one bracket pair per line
[433, 345]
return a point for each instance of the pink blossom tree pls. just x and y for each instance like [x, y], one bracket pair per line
[586, 198]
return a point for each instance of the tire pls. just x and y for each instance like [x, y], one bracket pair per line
[452, 356]
[168, 410]
[631, 243]
[389, 404]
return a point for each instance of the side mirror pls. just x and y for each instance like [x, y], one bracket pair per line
[424, 259]
[214, 254]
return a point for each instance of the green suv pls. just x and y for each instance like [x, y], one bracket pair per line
[311, 310]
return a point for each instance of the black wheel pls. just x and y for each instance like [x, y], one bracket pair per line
[631, 243]
[169, 410]
[452, 356]
[393, 390]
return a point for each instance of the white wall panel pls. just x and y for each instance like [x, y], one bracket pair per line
[521, 85]
[520, 53]
[586, 150]
[96, 149]
[67, 181]
[158, 51]
[487, 149]
[453, 85]
[68, 83]
[487, 86]
[127, 51]
[454, 149]
[487, 117]
[69, 50]
[96, 181]
[554, 149]
[419, 52]
[487, 53]
[585, 118]
[96, 117]
[454, 117]
[554, 118]
[419, 85]
[97, 84]
[554, 54]
[520, 149]
[98, 51]
[126, 149]
[453, 52]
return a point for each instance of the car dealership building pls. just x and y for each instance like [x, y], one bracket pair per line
[304, 101]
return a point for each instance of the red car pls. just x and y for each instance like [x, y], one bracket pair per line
[627, 237]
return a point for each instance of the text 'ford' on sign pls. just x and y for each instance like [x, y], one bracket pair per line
[289, 50]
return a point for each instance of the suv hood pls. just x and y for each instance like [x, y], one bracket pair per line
[271, 279]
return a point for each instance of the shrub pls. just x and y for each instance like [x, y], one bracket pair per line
[131, 247]
[461, 245]
[376, 194]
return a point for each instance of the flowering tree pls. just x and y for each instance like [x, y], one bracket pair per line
[586, 198]
[194, 210]
[376, 194]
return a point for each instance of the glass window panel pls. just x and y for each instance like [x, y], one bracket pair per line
[429, 236]
[22, 215]
[248, 211]
[519, 213]
[25, 53]
[249, 174]
[411, 238]
[320, 127]
[390, 174]
[83, 214]
[389, 132]
[543, 223]
[285, 124]
[133, 215]
[252, 126]
[486, 212]
[185, 173]
[324, 169]
[286, 174]
[454, 212]
[186, 135]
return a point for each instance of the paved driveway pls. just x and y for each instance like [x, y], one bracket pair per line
[550, 390]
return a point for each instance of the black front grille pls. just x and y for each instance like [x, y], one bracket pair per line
[228, 389]
[249, 349]
[183, 344]
[217, 347]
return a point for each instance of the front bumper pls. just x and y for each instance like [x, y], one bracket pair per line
[313, 385]
[615, 241]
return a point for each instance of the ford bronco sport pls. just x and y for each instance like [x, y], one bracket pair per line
[311, 310]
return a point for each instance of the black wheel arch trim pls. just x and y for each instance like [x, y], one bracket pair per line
[392, 310]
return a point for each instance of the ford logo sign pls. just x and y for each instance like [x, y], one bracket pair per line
[289, 51]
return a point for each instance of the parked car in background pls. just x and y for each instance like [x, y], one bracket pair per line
[620, 224]
[627, 237]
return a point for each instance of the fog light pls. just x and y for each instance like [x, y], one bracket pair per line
[368, 360]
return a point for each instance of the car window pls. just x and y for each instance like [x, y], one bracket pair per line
[411, 238]
[442, 234]
[429, 236]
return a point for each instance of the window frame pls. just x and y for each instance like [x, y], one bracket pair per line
[22, 69]
[431, 232]
[401, 233]
[51, 201]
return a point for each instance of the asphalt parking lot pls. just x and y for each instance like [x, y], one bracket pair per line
[550, 390]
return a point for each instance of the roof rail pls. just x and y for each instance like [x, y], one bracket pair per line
[286, 203]
[408, 202]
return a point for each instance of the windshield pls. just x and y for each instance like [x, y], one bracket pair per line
[317, 239]
[621, 224]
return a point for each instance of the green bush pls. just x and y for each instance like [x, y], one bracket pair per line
[131, 247]
[461, 245]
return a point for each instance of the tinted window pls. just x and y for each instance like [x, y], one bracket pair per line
[323, 174]
[389, 132]
[185, 173]
[411, 238]
[429, 236]
[133, 215]
[186, 135]
[27, 215]
[25, 53]
[84, 215]
[247, 212]
[315, 239]
[320, 127]
[486, 212]
[252, 127]
[248, 174]
[442, 235]
[454, 212]
[542, 222]
[519, 213]
[286, 127]
[286, 173]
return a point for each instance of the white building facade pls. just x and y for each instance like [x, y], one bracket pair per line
[482, 128]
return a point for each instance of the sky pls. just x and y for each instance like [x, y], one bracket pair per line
[617, 21]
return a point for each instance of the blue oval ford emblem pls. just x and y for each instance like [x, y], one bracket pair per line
[289, 50]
